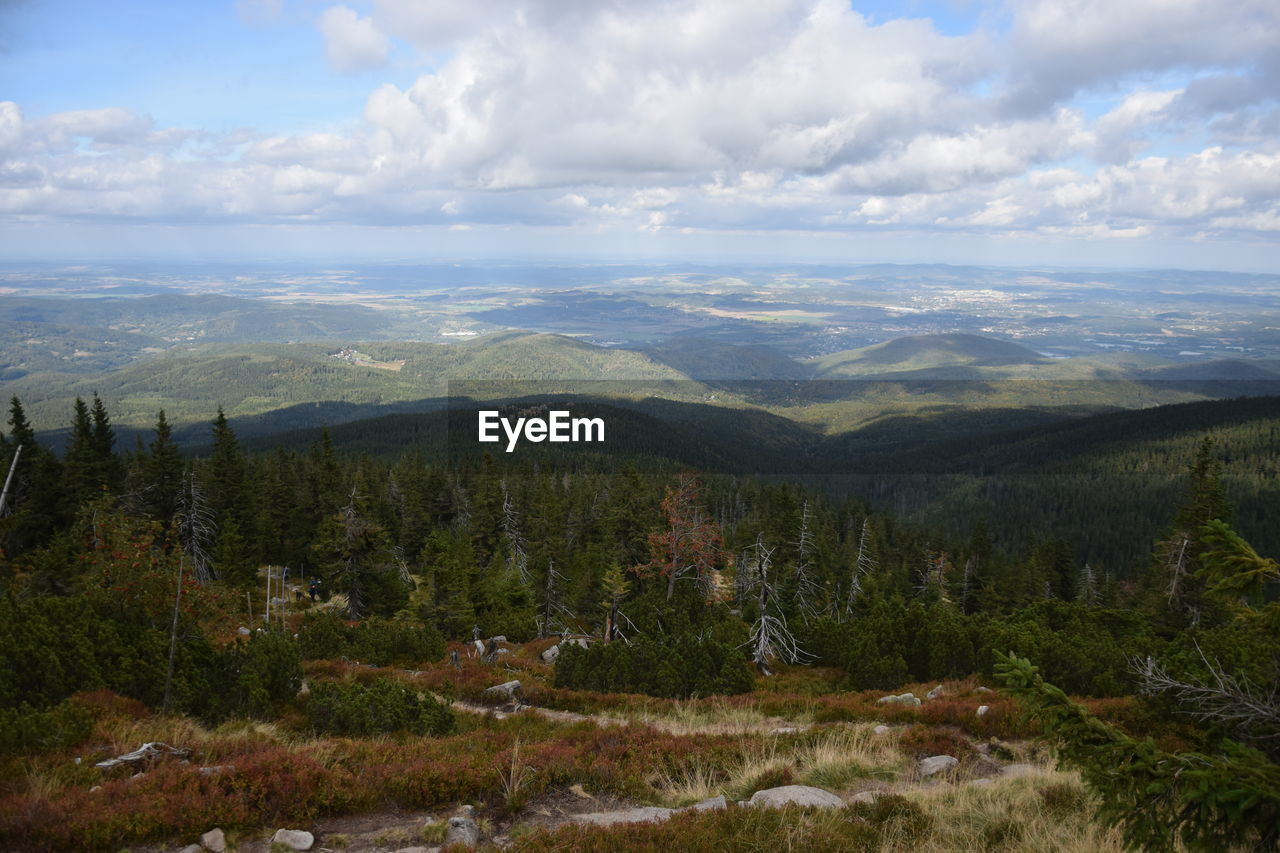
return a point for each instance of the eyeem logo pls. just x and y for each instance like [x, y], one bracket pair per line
[556, 427]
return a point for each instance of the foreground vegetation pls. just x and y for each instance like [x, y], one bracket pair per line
[725, 636]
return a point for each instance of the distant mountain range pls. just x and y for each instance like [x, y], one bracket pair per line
[269, 387]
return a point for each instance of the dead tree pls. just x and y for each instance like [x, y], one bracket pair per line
[806, 586]
[555, 613]
[8, 480]
[1251, 712]
[195, 529]
[864, 563]
[770, 636]
[518, 555]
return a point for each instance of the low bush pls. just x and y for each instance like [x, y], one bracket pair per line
[384, 706]
[679, 667]
[381, 642]
[24, 730]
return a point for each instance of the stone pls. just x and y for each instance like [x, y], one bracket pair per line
[418, 849]
[505, 690]
[784, 730]
[714, 804]
[551, 655]
[882, 729]
[463, 830]
[1019, 769]
[934, 693]
[191, 848]
[983, 690]
[936, 764]
[214, 841]
[217, 769]
[869, 797]
[900, 699]
[294, 839]
[799, 795]
[95, 788]
[504, 651]
[645, 814]
[243, 631]
[980, 782]
[983, 709]
[501, 638]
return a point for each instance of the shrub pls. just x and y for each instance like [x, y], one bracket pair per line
[381, 642]
[251, 678]
[24, 730]
[675, 667]
[385, 705]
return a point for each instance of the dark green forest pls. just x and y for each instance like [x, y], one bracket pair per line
[596, 545]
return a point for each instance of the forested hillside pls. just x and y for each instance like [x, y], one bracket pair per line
[128, 571]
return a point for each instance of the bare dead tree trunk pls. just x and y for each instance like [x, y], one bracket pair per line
[8, 480]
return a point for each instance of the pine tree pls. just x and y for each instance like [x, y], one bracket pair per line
[80, 470]
[163, 473]
[103, 440]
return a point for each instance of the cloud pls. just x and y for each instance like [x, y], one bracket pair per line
[352, 43]
[777, 115]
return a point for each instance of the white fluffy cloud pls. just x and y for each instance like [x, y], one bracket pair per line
[352, 43]
[709, 114]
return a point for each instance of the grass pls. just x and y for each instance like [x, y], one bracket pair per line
[837, 759]
[662, 752]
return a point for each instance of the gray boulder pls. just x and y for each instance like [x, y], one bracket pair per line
[214, 841]
[645, 814]
[192, 848]
[463, 830]
[714, 804]
[983, 709]
[551, 655]
[798, 795]
[881, 729]
[506, 690]
[936, 764]
[983, 690]
[294, 839]
[900, 699]
[934, 693]
[868, 797]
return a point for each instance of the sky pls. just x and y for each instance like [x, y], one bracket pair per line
[1052, 132]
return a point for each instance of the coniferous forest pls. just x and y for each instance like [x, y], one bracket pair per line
[211, 587]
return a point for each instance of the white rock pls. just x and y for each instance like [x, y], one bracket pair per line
[882, 729]
[418, 849]
[800, 795]
[214, 841]
[294, 839]
[936, 764]
[646, 814]
[507, 689]
[983, 709]
[900, 699]
[980, 782]
[243, 631]
[934, 693]
[714, 804]
[191, 848]
[868, 797]
[499, 639]
[463, 830]
[983, 690]
[784, 730]
[1018, 769]
[550, 655]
